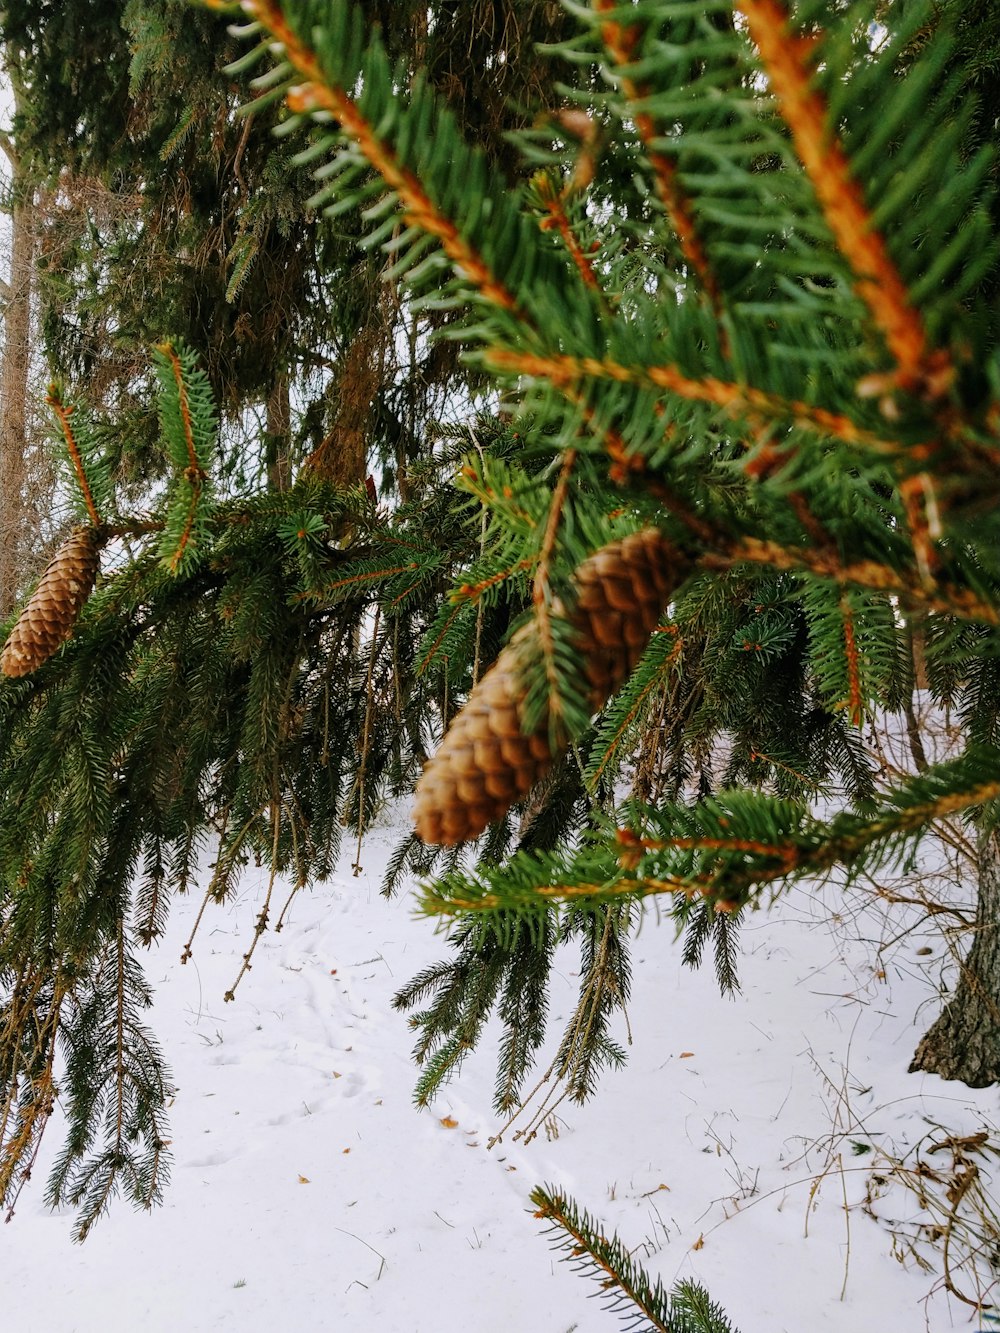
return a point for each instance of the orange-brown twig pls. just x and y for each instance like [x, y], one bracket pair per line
[654, 683]
[566, 371]
[354, 578]
[541, 592]
[920, 505]
[194, 473]
[852, 657]
[780, 852]
[470, 592]
[194, 467]
[621, 42]
[189, 521]
[63, 414]
[419, 210]
[556, 217]
[943, 597]
[788, 60]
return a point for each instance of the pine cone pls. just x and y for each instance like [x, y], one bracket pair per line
[486, 761]
[49, 617]
[622, 590]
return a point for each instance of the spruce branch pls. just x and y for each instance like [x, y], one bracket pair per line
[586, 1047]
[63, 415]
[789, 61]
[605, 984]
[723, 848]
[319, 94]
[179, 403]
[636, 700]
[29, 1025]
[189, 423]
[622, 41]
[803, 845]
[626, 1288]
[737, 399]
[552, 201]
[116, 1081]
[947, 598]
[347, 583]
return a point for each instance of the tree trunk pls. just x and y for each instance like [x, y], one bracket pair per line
[342, 457]
[14, 372]
[279, 430]
[964, 1043]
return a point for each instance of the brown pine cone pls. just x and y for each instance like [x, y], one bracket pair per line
[622, 590]
[52, 611]
[486, 761]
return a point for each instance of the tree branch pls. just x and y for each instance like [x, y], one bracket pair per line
[11, 153]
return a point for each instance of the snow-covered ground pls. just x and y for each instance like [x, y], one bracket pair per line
[307, 1192]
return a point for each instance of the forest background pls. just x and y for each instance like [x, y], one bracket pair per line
[693, 390]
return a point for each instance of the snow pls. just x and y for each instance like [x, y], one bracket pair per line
[308, 1192]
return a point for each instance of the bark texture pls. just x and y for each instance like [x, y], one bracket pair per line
[14, 378]
[964, 1043]
[279, 431]
[342, 457]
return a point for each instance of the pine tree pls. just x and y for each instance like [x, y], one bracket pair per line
[738, 316]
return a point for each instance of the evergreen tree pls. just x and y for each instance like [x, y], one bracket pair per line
[173, 215]
[850, 343]
[742, 310]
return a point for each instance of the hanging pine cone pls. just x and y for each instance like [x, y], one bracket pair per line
[486, 761]
[49, 617]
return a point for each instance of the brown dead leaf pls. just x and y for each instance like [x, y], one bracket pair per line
[448, 1122]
